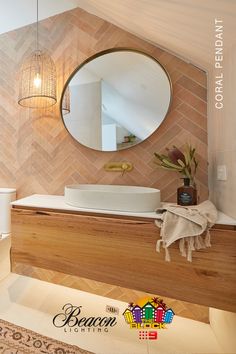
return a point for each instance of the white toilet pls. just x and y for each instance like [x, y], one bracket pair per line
[7, 195]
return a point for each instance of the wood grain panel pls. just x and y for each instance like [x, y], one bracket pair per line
[122, 252]
[38, 155]
[181, 308]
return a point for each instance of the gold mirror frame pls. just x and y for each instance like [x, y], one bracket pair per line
[99, 54]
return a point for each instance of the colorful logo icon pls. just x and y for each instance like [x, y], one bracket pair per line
[148, 315]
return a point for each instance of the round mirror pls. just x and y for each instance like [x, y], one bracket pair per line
[116, 99]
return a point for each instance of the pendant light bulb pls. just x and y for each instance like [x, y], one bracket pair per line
[37, 81]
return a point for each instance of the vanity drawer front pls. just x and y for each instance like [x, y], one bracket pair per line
[122, 252]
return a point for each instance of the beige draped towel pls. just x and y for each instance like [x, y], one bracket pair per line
[186, 224]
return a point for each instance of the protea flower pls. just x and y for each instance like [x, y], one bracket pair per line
[182, 162]
[175, 154]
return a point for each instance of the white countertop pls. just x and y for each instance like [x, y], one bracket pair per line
[58, 203]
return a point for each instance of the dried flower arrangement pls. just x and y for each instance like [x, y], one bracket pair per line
[183, 162]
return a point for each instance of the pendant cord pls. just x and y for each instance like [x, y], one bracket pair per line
[37, 28]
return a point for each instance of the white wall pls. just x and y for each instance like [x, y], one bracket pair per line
[19, 13]
[109, 137]
[222, 134]
[121, 132]
[84, 119]
[128, 114]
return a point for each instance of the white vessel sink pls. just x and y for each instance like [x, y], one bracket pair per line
[113, 197]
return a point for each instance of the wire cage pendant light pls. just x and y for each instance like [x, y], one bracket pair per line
[37, 79]
[66, 101]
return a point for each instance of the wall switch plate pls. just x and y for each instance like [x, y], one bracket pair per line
[221, 173]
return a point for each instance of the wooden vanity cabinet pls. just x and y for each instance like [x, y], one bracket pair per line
[122, 251]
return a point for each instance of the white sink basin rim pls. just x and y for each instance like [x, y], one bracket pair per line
[113, 197]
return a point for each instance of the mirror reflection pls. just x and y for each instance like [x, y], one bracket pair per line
[116, 100]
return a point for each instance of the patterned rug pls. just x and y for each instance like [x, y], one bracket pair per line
[19, 340]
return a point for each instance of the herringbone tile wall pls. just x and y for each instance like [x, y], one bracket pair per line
[36, 153]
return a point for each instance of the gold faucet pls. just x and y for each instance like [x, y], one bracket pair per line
[121, 166]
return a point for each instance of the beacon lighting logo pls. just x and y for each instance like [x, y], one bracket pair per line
[72, 320]
[148, 315]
